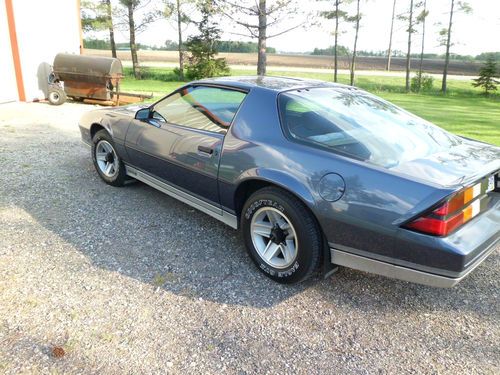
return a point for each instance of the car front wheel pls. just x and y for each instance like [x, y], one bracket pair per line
[281, 235]
[106, 160]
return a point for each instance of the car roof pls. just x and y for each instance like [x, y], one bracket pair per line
[267, 82]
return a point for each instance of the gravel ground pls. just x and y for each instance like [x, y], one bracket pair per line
[128, 280]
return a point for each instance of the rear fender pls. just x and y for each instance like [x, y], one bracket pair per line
[281, 179]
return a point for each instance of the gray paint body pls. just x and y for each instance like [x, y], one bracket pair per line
[367, 218]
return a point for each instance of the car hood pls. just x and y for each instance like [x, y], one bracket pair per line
[129, 110]
[460, 165]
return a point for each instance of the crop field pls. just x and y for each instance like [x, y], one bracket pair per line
[464, 110]
[307, 61]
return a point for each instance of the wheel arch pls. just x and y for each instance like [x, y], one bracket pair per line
[96, 126]
[264, 178]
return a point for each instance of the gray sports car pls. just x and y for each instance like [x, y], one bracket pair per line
[315, 174]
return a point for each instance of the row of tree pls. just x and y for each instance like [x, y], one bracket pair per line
[170, 45]
[261, 20]
[345, 51]
[414, 16]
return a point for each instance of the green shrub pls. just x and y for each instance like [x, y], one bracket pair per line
[422, 82]
[203, 68]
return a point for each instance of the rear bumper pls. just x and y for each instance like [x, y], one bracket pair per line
[429, 260]
[363, 263]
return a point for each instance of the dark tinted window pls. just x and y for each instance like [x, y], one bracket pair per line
[207, 108]
[359, 125]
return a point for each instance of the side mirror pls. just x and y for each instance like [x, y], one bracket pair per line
[143, 114]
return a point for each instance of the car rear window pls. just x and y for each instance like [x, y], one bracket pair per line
[356, 124]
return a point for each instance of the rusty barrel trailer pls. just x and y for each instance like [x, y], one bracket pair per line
[91, 79]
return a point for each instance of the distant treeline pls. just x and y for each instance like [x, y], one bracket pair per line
[344, 51]
[222, 46]
[251, 47]
[104, 44]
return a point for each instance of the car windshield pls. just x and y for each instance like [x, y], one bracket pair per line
[356, 124]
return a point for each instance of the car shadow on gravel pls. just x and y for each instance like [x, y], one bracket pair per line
[365, 292]
[146, 235]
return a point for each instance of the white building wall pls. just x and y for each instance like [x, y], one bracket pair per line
[8, 85]
[44, 29]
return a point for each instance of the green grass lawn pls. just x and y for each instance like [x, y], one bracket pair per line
[464, 110]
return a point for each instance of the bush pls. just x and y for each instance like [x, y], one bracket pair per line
[201, 68]
[422, 82]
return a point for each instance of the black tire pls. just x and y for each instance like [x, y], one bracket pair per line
[119, 176]
[308, 234]
[56, 96]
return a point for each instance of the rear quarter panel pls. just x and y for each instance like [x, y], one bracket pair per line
[375, 201]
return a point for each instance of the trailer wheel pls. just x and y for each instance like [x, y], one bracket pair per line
[57, 96]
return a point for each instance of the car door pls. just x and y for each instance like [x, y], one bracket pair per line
[182, 140]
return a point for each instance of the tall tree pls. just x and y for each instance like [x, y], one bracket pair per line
[389, 50]
[92, 15]
[446, 34]
[128, 15]
[338, 15]
[421, 18]
[356, 19]
[203, 46]
[97, 15]
[109, 16]
[408, 53]
[178, 10]
[265, 14]
[409, 17]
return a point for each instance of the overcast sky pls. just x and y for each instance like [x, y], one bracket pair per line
[472, 34]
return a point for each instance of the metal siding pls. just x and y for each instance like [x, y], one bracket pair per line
[8, 90]
[41, 37]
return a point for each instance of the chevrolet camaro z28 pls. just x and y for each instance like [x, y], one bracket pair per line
[314, 174]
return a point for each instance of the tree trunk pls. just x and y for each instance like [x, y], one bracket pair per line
[181, 53]
[410, 31]
[335, 59]
[447, 57]
[389, 50]
[353, 64]
[111, 28]
[422, 50]
[261, 60]
[133, 46]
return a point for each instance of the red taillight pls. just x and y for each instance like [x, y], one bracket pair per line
[453, 213]
[459, 200]
[437, 227]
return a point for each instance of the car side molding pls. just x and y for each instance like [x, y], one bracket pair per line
[174, 192]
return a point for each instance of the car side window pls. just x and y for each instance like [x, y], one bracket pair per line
[201, 107]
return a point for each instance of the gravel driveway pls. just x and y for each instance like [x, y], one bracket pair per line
[128, 280]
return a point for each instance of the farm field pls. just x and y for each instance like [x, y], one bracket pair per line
[463, 110]
[305, 61]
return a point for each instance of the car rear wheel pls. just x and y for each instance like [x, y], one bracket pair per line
[281, 235]
[108, 164]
